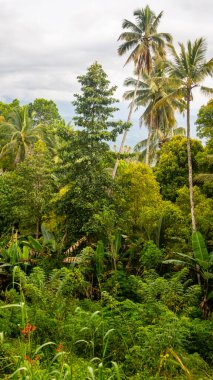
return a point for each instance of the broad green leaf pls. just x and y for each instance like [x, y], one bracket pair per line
[186, 256]
[176, 262]
[210, 295]
[200, 251]
[117, 243]
[35, 244]
[47, 235]
[25, 253]
[99, 257]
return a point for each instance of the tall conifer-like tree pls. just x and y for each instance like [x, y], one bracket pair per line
[95, 105]
[87, 155]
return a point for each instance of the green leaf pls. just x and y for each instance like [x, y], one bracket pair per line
[186, 256]
[118, 376]
[47, 235]
[210, 295]
[25, 252]
[21, 369]
[44, 345]
[116, 243]
[35, 244]
[207, 275]
[176, 262]
[200, 251]
[108, 333]
[12, 305]
[99, 257]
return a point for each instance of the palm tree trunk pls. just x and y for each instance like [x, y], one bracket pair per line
[191, 194]
[128, 121]
[148, 139]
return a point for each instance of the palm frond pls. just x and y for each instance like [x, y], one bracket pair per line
[140, 145]
[157, 20]
[126, 24]
[206, 90]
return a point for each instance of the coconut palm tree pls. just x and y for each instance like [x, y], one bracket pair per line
[151, 88]
[189, 68]
[158, 138]
[19, 135]
[144, 41]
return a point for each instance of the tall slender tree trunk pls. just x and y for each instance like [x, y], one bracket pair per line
[191, 193]
[128, 121]
[148, 139]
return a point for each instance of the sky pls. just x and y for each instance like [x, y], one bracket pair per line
[46, 44]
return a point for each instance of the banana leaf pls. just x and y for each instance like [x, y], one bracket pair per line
[176, 262]
[200, 251]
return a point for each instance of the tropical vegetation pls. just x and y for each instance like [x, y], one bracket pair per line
[106, 262]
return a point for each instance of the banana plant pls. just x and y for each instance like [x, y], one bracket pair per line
[48, 243]
[10, 258]
[115, 245]
[22, 251]
[14, 254]
[202, 263]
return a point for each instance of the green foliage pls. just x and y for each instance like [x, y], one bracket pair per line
[135, 334]
[14, 255]
[7, 108]
[203, 210]
[44, 112]
[18, 136]
[172, 167]
[26, 191]
[99, 258]
[151, 255]
[199, 248]
[175, 229]
[204, 178]
[95, 106]
[85, 292]
[68, 282]
[204, 123]
[87, 156]
[137, 199]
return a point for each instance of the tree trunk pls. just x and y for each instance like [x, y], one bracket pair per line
[128, 121]
[148, 139]
[191, 194]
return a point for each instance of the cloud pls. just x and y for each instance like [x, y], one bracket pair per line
[45, 45]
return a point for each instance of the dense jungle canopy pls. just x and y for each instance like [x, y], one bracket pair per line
[106, 262]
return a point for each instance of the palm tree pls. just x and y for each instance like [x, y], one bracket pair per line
[151, 89]
[189, 68]
[19, 135]
[158, 138]
[143, 40]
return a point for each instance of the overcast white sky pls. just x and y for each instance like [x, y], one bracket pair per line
[45, 44]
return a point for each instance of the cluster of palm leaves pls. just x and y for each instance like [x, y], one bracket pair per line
[18, 135]
[160, 86]
[161, 120]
